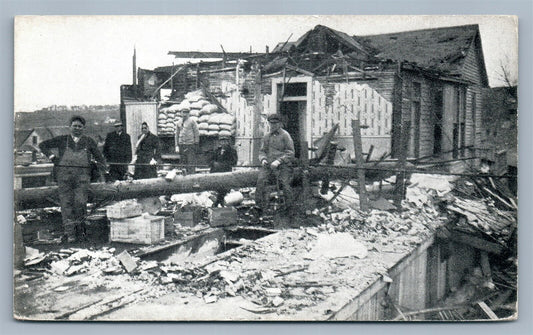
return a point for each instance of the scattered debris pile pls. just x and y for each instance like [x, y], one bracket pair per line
[340, 249]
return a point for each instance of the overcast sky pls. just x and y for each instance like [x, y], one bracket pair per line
[74, 60]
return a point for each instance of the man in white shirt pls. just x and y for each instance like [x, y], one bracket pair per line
[188, 141]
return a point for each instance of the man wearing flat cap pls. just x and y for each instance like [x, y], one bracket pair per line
[276, 156]
[117, 151]
[188, 141]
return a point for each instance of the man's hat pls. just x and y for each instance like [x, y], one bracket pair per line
[274, 118]
[118, 123]
[223, 137]
[185, 109]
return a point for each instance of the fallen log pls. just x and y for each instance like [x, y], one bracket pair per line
[40, 197]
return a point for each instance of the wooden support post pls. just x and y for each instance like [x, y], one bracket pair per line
[399, 189]
[330, 159]
[369, 153]
[197, 75]
[256, 119]
[304, 159]
[359, 163]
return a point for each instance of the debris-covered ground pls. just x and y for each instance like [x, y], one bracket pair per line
[302, 273]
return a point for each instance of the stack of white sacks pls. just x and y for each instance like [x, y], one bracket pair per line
[211, 121]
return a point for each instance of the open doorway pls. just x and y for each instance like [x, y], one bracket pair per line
[292, 109]
[293, 113]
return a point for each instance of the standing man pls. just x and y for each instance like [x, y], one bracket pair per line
[148, 153]
[72, 168]
[222, 160]
[276, 156]
[188, 141]
[117, 149]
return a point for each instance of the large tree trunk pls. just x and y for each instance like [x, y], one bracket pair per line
[47, 196]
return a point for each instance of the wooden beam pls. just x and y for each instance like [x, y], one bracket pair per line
[169, 79]
[302, 71]
[476, 242]
[399, 190]
[369, 153]
[40, 197]
[486, 309]
[208, 54]
[358, 148]
[257, 109]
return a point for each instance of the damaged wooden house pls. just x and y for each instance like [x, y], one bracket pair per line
[426, 82]
[446, 251]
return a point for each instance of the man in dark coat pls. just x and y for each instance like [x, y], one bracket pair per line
[117, 149]
[72, 165]
[148, 153]
[224, 157]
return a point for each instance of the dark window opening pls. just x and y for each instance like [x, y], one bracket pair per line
[294, 89]
[437, 121]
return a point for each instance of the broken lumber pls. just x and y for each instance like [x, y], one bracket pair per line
[358, 148]
[476, 242]
[69, 313]
[486, 309]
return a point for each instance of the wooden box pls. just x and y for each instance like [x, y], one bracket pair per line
[188, 218]
[124, 209]
[224, 216]
[145, 229]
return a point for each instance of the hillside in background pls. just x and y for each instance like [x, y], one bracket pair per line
[99, 118]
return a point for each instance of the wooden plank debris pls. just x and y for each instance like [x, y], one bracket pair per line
[127, 261]
[476, 242]
[399, 189]
[489, 312]
[69, 313]
[357, 144]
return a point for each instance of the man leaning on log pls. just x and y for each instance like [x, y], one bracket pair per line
[277, 157]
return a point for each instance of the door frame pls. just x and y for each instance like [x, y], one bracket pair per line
[308, 107]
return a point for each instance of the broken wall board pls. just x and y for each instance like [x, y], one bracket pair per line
[476, 242]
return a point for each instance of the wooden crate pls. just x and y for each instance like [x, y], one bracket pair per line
[224, 216]
[145, 229]
[124, 209]
[188, 218]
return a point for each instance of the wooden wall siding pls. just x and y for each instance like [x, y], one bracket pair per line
[472, 71]
[409, 287]
[340, 103]
[436, 274]
[238, 106]
[374, 309]
[243, 110]
[384, 84]
[420, 280]
[136, 113]
[448, 117]
[472, 66]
